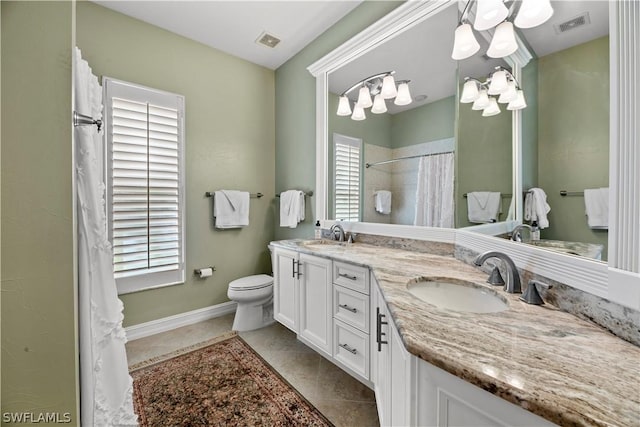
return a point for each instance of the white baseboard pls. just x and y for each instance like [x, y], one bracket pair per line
[183, 319]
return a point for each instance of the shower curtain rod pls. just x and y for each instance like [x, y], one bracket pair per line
[405, 158]
[82, 119]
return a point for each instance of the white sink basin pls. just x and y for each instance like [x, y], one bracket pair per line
[464, 297]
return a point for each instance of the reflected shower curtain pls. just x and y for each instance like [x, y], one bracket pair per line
[434, 193]
[105, 384]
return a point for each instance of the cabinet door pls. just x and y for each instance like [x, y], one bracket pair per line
[401, 397]
[285, 289]
[381, 357]
[316, 296]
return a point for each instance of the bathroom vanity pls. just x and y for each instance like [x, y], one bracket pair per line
[525, 365]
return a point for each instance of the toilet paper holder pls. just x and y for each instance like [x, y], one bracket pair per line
[198, 271]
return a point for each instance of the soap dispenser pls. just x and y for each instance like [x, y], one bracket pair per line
[535, 231]
[318, 231]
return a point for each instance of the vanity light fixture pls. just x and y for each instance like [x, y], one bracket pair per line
[499, 87]
[381, 87]
[495, 14]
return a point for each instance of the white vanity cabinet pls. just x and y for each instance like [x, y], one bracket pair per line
[302, 297]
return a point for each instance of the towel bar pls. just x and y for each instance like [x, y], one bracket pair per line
[306, 193]
[252, 195]
[571, 193]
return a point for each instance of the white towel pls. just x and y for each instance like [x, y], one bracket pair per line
[596, 201]
[231, 208]
[383, 201]
[536, 207]
[292, 208]
[483, 206]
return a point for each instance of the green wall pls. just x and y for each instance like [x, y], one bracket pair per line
[483, 158]
[39, 361]
[573, 135]
[296, 112]
[229, 144]
[530, 126]
[376, 129]
[430, 122]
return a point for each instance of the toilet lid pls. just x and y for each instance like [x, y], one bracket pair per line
[248, 283]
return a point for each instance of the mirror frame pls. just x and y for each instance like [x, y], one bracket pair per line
[617, 281]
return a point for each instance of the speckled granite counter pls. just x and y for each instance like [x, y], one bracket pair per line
[549, 362]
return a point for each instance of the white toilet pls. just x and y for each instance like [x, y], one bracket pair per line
[254, 295]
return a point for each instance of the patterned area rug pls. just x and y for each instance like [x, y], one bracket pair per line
[218, 383]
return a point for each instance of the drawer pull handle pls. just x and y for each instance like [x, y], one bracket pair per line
[348, 276]
[349, 349]
[346, 307]
[379, 333]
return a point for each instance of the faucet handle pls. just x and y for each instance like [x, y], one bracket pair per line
[531, 294]
[495, 278]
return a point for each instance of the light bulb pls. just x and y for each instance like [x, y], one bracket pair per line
[364, 97]
[510, 94]
[519, 103]
[489, 14]
[498, 83]
[503, 42]
[482, 102]
[358, 113]
[492, 109]
[404, 96]
[533, 13]
[379, 106]
[344, 107]
[388, 90]
[469, 92]
[465, 43]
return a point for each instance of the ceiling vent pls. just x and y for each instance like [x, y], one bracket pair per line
[268, 40]
[572, 23]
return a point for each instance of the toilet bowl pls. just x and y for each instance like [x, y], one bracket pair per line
[254, 295]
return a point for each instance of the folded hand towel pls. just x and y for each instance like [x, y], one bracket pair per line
[596, 201]
[292, 208]
[231, 208]
[536, 207]
[483, 206]
[383, 201]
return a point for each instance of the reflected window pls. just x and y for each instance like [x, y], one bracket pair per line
[347, 161]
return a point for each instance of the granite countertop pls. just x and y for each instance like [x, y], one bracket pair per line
[549, 362]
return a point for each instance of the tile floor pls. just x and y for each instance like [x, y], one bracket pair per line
[341, 398]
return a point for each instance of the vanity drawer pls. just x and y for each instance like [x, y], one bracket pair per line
[351, 348]
[351, 276]
[351, 307]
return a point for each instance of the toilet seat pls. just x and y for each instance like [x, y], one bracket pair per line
[250, 283]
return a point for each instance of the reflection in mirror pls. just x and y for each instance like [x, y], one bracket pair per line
[565, 127]
[404, 166]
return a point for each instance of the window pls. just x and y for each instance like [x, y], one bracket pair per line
[346, 153]
[145, 185]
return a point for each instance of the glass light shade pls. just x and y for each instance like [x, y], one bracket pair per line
[498, 83]
[489, 14]
[404, 96]
[492, 109]
[379, 106]
[533, 13]
[358, 113]
[503, 42]
[510, 94]
[465, 43]
[519, 103]
[388, 90]
[344, 107]
[482, 102]
[364, 97]
[469, 92]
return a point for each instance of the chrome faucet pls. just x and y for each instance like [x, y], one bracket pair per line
[341, 234]
[516, 234]
[513, 277]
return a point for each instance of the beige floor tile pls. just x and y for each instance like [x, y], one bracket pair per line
[334, 383]
[348, 414]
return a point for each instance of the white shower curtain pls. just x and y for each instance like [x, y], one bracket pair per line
[434, 193]
[105, 384]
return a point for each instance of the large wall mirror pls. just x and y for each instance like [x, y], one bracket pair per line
[563, 132]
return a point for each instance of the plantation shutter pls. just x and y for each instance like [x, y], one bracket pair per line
[145, 147]
[347, 177]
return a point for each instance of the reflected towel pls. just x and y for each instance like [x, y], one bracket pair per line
[383, 201]
[536, 207]
[596, 201]
[292, 208]
[483, 206]
[231, 208]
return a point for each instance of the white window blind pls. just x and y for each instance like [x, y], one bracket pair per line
[347, 177]
[145, 147]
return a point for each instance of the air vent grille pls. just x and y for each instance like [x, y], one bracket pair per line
[572, 23]
[268, 40]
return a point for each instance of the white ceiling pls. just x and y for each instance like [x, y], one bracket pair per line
[234, 26]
